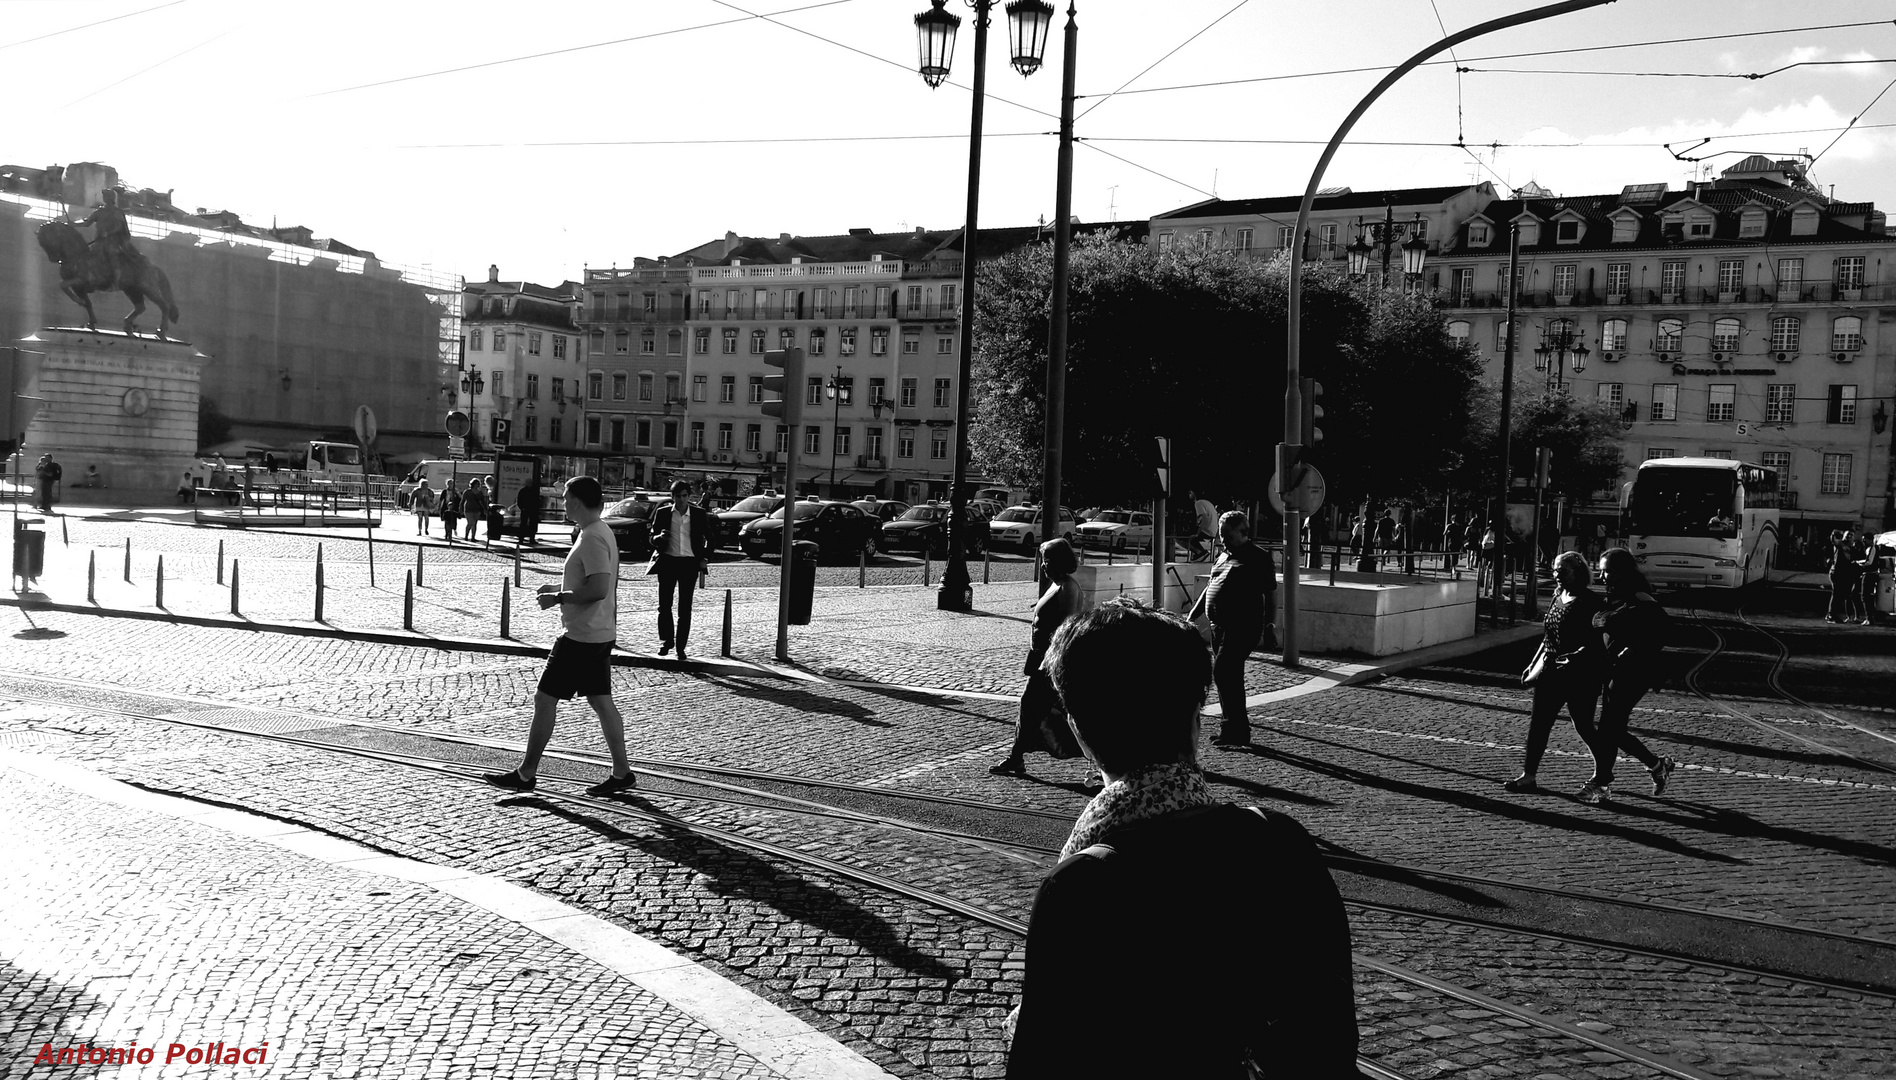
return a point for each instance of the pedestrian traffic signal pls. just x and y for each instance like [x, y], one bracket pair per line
[502, 431]
[788, 408]
[1312, 412]
[1162, 463]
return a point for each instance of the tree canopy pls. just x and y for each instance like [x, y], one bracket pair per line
[1191, 344]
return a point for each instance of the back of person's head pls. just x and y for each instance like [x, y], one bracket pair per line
[1133, 680]
[1627, 576]
[587, 490]
[1059, 557]
[1231, 517]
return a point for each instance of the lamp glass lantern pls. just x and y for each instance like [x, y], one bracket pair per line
[1578, 357]
[1414, 254]
[1028, 22]
[1358, 252]
[1542, 356]
[935, 39]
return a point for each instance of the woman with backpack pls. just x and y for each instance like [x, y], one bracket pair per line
[1633, 629]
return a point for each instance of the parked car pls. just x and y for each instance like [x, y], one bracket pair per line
[925, 528]
[838, 529]
[883, 510]
[731, 522]
[630, 521]
[1018, 527]
[987, 508]
[1119, 530]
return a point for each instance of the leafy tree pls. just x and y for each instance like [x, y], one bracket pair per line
[1191, 344]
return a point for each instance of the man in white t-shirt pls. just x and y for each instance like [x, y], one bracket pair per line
[581, 661]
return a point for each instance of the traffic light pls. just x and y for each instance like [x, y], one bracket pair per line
[502, 431]
[1312, 412]
[1162, 463]
[788, 408]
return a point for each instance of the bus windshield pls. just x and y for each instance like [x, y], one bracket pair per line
[342, 453]
[1684, 502]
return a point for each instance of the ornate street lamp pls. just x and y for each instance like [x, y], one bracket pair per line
[1027, 25]
[838, 391]
[472, 383]
[935, 36]
[1561, 347]
[1414, 254]
[1359, 256]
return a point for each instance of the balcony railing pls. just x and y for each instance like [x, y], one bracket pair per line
[1822, 292]
[867, 310]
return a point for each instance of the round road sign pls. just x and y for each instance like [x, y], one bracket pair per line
[365, 424]
[458, 424]
[1307, 496]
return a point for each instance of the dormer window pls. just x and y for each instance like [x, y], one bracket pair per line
[1478, 235]
[1751, 223]
[1625, 228]
[1567, 232]
[1530, 230]
[1698, 229]
[1804, 221]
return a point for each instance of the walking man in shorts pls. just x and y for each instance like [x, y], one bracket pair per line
[581, 663]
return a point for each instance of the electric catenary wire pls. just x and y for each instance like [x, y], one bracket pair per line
[1161, 60]
[1853, 120]
[1460, 133]
[1670, 74]
[90, 25]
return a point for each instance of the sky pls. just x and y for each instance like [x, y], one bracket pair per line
[550, 138]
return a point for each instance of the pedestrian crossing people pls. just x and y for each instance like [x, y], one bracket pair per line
[1040, 723]
[1633, 630]
[1565, 671]
[1241, 602]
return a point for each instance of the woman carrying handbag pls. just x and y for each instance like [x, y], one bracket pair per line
[1565, 671]
[1633, 630]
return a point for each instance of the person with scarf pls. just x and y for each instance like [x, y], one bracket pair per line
[1039, 702]
[1565, 671]
[1134, 965]
[1633, 630]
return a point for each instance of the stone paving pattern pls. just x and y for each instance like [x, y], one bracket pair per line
[1406, 769]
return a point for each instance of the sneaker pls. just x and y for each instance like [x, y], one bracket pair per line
[612, 785]
[1010, 767]
[1594, 794]
[1522, 784]
[510, 781]
[1661, 773]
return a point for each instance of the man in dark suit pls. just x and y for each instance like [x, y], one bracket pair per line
[681, 546]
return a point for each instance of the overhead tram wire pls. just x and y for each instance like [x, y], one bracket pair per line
[714, 142]
[1506, 56]
[1670, 74]
[1161, 59]
[571, 49]
[90, 25]
[150, 67]
[1853, 120]
[1461, 134]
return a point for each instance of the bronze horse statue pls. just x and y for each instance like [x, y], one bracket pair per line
[84, 269]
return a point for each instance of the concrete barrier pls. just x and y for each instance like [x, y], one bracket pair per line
[1382, 614]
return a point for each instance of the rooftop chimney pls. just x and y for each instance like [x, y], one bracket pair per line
[493, 273]
[730, 243]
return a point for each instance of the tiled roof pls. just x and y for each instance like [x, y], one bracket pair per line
[1288, 204]
[1725, 201]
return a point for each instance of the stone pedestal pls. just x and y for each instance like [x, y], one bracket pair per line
[126, 403]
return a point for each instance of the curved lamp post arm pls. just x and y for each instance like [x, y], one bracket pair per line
[1293, 405]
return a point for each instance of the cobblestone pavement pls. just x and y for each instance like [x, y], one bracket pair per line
[1404, 769]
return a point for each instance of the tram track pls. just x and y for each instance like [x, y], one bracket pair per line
[1472, 892]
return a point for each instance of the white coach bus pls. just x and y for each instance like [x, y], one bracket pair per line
[1701, 521]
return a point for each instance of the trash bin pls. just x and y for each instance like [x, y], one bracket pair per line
[802, 581]
[29, 552]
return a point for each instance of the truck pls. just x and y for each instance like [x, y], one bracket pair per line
[317, 461]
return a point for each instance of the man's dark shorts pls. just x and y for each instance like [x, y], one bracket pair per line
[578, 668]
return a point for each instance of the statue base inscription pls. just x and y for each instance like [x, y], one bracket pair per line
[127, 403]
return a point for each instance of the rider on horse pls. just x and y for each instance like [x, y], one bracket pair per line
[112, 234]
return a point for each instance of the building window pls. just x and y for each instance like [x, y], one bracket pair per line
[1846, 334]
[559, 389]
[1672, 277]
[730, 341]
[533, 428]
[724, 436]
[474, 341]
[1613, 395]
[704, 303]
[1285, 235]
[1671, 335]
[786, 338]
[496, 378]
[819, 303]
[1204, 238]
[941, 392]
[905, 442]
[1458, 331]
[1661, 452]
[1850, 272]
[643, 430]
[701, 341]
[533, 343]
[1166, 241]
[1731, 276]
[944, 346]
[846, 341]
[1326, 238]
[648, 344]
[533, 387]
[850, 293]
[755, 390]
[819, 340]
[1501, 335]
[1779, 462]
[914, 302]
[1462, 293]
[650, 303]
[1566, 232]
[947, 299]
[1725, 334]
[1477, 235]
[553, 426]
[500, 341]
[757, 342]
[1564, 275]
[622, 343]
[783, 439]
[595, 385]
[1619, 278]
[878, 390]
[1244, 239]
[937, 445]
[1784, 333]
[1721, 402]
[670, 435]
[1842, 405]
[1665, 401]
[841, 445]
[813, 390]
[618, 386]
[674, 342]
[559, 346]
[872, 443]
[879, 341]
[908, 393]
[911, 345]
[1790, 278]
[592, 431]
[1836, 479]
[671, 389]
[882, 303]
[812, 440]
[727, 389]
[697, 436]
[753, 438]
[1780, 403]
[1613, 335]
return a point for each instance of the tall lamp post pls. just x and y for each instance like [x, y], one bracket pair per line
[1290, 450]
[935, 38]
[1384, 234]
[1561, 346]
[838, 391]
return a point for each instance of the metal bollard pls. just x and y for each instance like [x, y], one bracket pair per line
[1111, 547]
[727, 623]
[92, 569]
[233, 588]
[516, 566]
[506, 609]
[408, 600]
[984, 565]
[159, 601]
[924, 568]
[63, 538]
[128, 560]
[419, 562]
[319, 583]
[862, 569]
[220, 561]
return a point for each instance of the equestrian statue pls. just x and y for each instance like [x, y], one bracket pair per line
[109, 262]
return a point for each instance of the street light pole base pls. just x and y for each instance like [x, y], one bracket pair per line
[957, 589]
